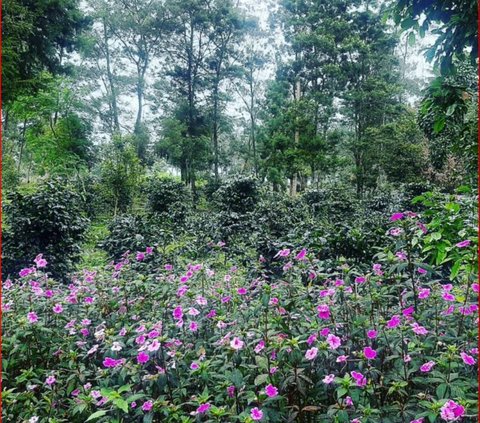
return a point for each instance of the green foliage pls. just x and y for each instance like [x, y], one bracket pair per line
[35, 37]
[168, 197]
[454, 24]
[47, 221]
[120, 174]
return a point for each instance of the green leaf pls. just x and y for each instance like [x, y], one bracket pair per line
[341, 392]
[455, 269]
[122, 404]
[411, 39]
[439, 125]
[441, 390]
[261, 379]
[96, 415]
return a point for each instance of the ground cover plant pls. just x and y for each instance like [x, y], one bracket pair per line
[392, 340]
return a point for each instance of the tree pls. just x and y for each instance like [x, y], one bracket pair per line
[36, 37]
[453, 22]
[370, 98]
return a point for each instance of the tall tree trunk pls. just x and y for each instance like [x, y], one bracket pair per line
[113, 92]
[215, 128]
[293, 181]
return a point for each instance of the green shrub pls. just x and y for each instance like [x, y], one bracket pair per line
[48, 221]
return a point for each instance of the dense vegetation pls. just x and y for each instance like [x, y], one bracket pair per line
[239, 211]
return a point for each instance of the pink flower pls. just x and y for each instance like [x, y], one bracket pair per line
[447, 296]
[311, 353]
[372, 334]
[32, 317]
[421, 271]
[395, 231]
[423, 293]
[142, 357]
[451, 411]
[194, 366]
[333, 341]
[360, 279]
[463, 244]
[420, 420]
[427, 366]
[140, 256]
[147, 406]
[369, 353]
[27, 271]
[271, 391]
[168, 267]
[283, 253]
[256, 414]
[396, 216]
[193, 327]
[178, 313]
[360, 380]
[50, 380]
[301, 255]
[341, 358]
[203, 408]
[377, 269]
[40, 261]
[241, 291]
[231, 391]
[328, 379]
[348, 401]
[236, 343]
[311, 339]
[260, 346]
[408, 311]
[325, 331]
[401, 255]
[467, 359]
[393, 322]
[323, 311]
[419, 330]
[111, 362]
[57, 309]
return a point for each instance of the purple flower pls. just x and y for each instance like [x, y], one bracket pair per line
[140, 256]
[311, 353]
[40, 261]
[425, 368]
[203, 408]
[372, 334]
[256, 414]
[147, 406]
[142, 357]
[328, 379]
[236, 343]
[301, 255]
[50, 380]
[323, 311]
[333, 341]
[463, 244]
[421, 271]
[360, 380]
[271, 391]
[467, 359]
[393, 322]
[32, 317]
[396, 216]
[27, 271]
[231, 391]
[369, 353]
[451, 411]
[57, 309]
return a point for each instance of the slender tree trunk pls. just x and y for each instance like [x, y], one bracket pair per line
[215, 128]
[113, 92]
[293, 181]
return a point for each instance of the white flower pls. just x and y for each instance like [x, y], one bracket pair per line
[116, 346]
[33, 419]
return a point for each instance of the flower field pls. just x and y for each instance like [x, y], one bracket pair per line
[394, 340]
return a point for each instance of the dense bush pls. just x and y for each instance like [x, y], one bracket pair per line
[48, 221]
[238, 195]
[381, 342]
[168, 196]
